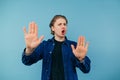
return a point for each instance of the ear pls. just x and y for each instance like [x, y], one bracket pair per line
[52, 28]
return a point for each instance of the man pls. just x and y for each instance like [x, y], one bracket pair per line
[60, 56]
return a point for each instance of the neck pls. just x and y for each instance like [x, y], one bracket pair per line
[60, 39]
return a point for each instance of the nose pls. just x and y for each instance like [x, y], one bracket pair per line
[63, 26]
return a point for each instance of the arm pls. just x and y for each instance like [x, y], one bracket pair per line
[36, 55]
[85, 65]
[80, 51]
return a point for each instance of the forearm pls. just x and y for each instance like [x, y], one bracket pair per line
[27, 58]
[31, 58]
[84, 65]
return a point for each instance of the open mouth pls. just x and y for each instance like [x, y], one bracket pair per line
[63, 31]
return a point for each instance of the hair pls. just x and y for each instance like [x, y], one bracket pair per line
[54, 20]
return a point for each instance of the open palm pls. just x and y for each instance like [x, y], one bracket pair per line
[81, 48]
[31, 37]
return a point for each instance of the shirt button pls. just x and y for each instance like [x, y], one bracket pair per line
[50, 52]
[47, 78]
[46, 70]
[53, 44]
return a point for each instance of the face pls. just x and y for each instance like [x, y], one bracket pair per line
[59, 28]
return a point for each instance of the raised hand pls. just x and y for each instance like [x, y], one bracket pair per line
[31, 37]
[81, 48]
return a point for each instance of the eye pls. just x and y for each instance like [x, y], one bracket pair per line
[64, 24]
[59, 24]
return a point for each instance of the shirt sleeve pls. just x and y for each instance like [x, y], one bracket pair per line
[36, 55]
[85, 65]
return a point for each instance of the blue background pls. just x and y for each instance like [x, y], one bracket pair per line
[97, 20]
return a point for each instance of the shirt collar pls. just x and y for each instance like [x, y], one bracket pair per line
[65, 42]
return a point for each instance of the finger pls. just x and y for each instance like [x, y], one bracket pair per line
[73, 47]
[41, 38]
[36, 29]
[24, 30]
[30, 28]
[83, 41]
[87, 44]
[78, 43]
[33, 27]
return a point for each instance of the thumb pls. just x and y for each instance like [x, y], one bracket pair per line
[87, 44]
[24, 30]
[41, 38]
[73, 47]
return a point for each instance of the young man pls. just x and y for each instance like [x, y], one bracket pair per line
[60, 56]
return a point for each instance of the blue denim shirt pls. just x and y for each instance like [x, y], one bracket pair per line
[70, 62]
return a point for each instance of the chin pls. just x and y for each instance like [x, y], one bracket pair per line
[62, 36]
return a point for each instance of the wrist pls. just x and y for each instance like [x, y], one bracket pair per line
[28, 51]
[81, 60]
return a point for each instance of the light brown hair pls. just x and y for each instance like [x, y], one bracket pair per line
[54, 20]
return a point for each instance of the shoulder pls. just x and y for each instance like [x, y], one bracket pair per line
[71, 42]
[46, 42]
